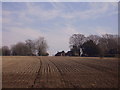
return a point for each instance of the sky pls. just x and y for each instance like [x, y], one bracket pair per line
[56, 21]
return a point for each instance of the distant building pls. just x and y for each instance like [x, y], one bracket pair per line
[69, 53]
[73, 52]
[60, 53]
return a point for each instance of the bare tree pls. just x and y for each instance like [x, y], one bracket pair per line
[90, 49]
[94, 38]
[20, 49]
[76, 41]
[31, 46]
[41, 46]
[108, 44]
[5, 51]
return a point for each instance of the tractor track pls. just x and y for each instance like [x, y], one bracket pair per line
[98, 67]
[67, 84]
[59, 72]
[38, 73]
[63, 80]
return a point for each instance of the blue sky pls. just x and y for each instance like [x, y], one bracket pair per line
[56, 21]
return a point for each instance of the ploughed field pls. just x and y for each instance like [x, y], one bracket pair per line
[59, 72]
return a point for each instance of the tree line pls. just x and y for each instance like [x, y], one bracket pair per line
[28, 48]
[106, 45]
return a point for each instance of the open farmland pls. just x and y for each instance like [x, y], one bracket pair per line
[59, 72]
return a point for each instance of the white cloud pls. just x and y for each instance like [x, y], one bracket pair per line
[42, 14]
[58, 39]
[95, 10]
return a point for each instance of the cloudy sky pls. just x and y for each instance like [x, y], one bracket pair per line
[56, 21]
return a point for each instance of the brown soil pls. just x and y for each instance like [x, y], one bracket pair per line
[59, 72]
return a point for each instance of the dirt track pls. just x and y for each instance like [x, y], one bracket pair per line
[59, 72]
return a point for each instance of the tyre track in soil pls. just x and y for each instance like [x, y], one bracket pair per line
[63, 79]
[48, 75]
[38, 73]
[105, 69]
[54, 72]
[19, 75]
[100, 68]
[64, 69]
[70, 73]
[67, 63]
